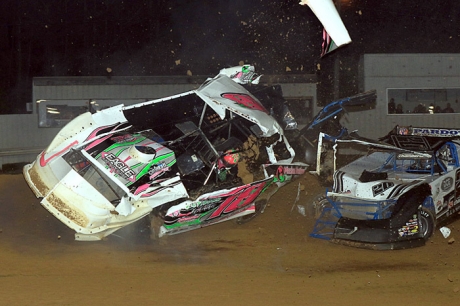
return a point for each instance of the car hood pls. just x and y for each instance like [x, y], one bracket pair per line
[221, 94]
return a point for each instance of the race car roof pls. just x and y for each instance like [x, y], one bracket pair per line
[220, 93]
[417, 143]
[424, 150]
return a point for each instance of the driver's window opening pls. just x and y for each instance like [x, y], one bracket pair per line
[415, 164]
[104, 185]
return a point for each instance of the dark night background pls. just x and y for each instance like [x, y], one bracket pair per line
[159, 37]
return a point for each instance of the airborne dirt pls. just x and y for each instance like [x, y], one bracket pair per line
[268, 261]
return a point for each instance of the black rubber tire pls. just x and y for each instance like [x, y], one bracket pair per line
[260, 206]
[427, 223]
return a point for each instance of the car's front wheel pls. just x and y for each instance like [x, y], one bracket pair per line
[427, 223]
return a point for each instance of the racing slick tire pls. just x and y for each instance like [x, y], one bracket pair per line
[427, 223]
[260, 207]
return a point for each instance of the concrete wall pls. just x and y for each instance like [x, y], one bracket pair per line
[20, 138]
[384, 72]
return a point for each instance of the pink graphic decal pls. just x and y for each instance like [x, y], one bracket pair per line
[44, 161]
[157, 171]
[158, 190]
[152, 193]
[98, 141]
[238, 200]
[141, 188]
[102, 128]
[245, 100]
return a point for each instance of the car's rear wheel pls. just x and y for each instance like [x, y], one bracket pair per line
[427, 223]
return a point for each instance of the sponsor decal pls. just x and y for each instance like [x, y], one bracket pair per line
[158, 169]
[283, 171]
[198, 207]
[452, 209]
[436, 132]
[118, 166]
[204, 207]
[279, 175]
[438, 205]
[447, 183]
[402, 130]
[188, 218]
[294, 170]
[202, 203]
[410, 229]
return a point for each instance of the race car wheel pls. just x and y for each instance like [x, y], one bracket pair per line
[426, 223]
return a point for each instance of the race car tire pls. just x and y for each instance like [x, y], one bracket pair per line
[427, 223]
[260, 206]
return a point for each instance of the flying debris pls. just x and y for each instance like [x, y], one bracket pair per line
[335, 33]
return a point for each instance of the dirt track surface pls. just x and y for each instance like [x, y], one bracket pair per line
[268, 261]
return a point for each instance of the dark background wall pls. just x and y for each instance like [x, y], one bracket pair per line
[159, 37]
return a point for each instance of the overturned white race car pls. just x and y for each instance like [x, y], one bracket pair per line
[189, 160]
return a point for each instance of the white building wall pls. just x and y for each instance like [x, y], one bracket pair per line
[21, 140]
[392, 71]
[299, 90]
[121, 92]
